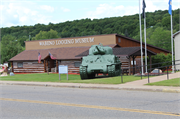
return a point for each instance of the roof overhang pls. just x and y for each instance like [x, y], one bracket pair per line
[176, 34]
[143, 43]
[124, 51]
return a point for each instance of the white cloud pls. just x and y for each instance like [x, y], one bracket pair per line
[15, 16]
[47, 8]
[23, 19]
[65, 9]
[112, 10]
[109, 10]
[151, 6]
[24, 13]
[30, 12]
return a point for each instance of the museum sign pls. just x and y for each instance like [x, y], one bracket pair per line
[67, 41]
[70, 42]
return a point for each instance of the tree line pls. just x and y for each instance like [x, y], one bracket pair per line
[157, 23]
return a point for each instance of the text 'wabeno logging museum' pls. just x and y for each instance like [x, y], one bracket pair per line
[69, 51]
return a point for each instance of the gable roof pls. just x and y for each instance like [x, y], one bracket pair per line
[58, 53]
[143, 43]
[130, 51]
[176, 34]
[115, 34]
[123, 51]
[62, 53]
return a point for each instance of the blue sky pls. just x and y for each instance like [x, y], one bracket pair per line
[31, 12]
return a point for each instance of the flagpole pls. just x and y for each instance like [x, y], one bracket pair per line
[141, 37]
[145, 42]
[170, 12]
[172, 45]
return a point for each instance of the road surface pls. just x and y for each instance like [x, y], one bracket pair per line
[38, 102]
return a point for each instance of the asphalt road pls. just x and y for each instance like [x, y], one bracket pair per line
[34, 102]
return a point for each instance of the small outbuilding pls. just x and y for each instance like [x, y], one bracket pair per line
[176, 37]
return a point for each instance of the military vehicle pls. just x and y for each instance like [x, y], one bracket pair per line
[100, 60]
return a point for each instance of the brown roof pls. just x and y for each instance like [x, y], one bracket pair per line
[58, 53]
[119, 36]
[131, 51]
[142, 43]
[63, 53]
[113, 45]
[123, 51]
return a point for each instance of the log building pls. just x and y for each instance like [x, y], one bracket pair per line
[69, 51]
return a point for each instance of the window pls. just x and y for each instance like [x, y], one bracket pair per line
[77, 64]
[20, 64]
[119, 40]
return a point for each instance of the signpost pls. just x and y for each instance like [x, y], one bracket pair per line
[63, 69]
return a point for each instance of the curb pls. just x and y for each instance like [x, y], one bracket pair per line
[171, 90]
[95, 87]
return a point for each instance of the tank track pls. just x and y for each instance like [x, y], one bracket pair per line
[118, 72]
[111, 70]
[83, 72]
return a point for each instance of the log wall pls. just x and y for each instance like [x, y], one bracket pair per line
[125, 62]
[28, 67]
[35, 67]
[71, 65]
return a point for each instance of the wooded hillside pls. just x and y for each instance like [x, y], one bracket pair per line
[157, 23]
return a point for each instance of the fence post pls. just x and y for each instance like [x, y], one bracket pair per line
[167, 73]
[158, 69]
[148, 77]
[121, 76]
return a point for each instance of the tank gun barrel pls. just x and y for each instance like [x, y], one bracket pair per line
[100, 51]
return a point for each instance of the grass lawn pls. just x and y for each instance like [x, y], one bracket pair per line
[44, 77]
[171, 82]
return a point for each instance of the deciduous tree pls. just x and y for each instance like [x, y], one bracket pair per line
[46, 35]
[9, 48]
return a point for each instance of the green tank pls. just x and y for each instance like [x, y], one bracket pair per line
[100, 60]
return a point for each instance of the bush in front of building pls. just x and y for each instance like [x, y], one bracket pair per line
[161, 60]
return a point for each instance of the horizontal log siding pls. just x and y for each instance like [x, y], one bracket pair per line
[71, 66]
[125, 62]
[29, 67]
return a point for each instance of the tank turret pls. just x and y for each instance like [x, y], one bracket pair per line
[100, 60]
